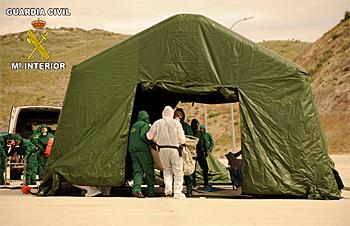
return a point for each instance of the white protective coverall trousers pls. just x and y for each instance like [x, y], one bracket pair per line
[168, 132]
[173, 166]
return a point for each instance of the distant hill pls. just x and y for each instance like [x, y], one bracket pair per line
[23, 87]
[328, 61]
[289, 49]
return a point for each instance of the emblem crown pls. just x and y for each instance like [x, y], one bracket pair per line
[38, 24]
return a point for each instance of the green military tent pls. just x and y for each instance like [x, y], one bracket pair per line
[191, 58]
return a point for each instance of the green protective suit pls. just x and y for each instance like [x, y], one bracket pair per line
[29, 150]
[187, 128]
[2, 160]
[40, 140]
[202, 151]
[188, 131]
[208, 139]
[141, 154]
[32, 162]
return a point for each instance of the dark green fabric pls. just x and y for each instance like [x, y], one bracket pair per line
[208, 139]
[42, 161]
[218, 174]
[31, 168]
[139, 149]
[189, 183]
[201, 145]
[137, 137]
[31, 160]
[21, 148]
[143, 164]
[190, 58]
[195, 127]
[189, 180]
[40, 141]
[202, 162]
[2, 160]
[201, 153]
[187, 128]
[29, 150]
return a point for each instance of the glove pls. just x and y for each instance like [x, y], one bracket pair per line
[180, 152]
[153, 145]
[46, 154]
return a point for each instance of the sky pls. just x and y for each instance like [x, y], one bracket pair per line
[305, 20]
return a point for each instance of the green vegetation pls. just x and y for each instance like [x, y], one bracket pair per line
[289, 49]
[213, 114]
[320, 61]
[335, 35]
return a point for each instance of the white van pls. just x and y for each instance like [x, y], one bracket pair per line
[23, 120]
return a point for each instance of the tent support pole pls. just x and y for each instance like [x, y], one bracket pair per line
[206, 117]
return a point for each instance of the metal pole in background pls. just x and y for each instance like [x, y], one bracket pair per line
[232, 111]
[233, 128]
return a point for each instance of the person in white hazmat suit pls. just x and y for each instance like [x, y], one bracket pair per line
[168, 134]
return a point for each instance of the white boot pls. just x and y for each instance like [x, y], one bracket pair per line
[179, 196]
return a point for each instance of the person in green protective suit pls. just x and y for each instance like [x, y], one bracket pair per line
[2, 160]
[202, 151]
[40, 138]
[141, 155]
[21, 146]
[208, 138]
[180, 115]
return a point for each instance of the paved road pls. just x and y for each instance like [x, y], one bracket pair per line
[18, 209]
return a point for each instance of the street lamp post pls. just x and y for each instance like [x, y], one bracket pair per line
[236, 22]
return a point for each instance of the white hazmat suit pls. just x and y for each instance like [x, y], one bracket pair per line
[168, 132]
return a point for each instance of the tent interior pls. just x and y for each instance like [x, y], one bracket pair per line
[155, 99]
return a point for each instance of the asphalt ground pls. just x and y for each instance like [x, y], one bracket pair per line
[19, 209]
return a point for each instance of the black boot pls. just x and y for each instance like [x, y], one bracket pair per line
[189, 194]
[138, 194]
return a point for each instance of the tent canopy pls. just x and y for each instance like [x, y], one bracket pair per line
[191, 58]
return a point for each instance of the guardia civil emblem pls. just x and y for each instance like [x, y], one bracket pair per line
[34, 40]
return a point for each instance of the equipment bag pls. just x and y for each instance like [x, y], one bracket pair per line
[189, 153]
